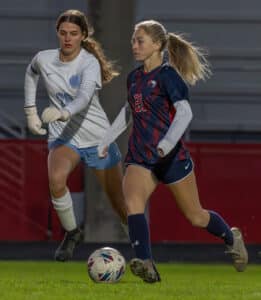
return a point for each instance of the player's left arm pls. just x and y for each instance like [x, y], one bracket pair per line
[177, 128]
[178, 93]
[84, 96]
[90, 81]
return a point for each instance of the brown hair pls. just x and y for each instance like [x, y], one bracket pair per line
[77, 17]
[189, 61]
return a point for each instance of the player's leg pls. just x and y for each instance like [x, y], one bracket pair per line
[61, 162]
[138, 184]
[186, 194]
[109, 173]
[111, 181]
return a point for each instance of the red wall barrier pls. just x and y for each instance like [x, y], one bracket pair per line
[26, 212]
[228, 177]
[229, 180]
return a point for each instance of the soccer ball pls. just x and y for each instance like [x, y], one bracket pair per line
[106, 265]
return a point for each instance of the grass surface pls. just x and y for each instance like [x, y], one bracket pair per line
[69, 281]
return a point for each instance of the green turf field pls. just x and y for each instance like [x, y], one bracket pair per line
[69, 281]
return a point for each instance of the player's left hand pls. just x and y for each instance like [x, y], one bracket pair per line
[160, 152]
[102, 151]
[164, 147]
[51, 114]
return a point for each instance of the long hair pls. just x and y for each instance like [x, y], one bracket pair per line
[108, 71]
[188, 60]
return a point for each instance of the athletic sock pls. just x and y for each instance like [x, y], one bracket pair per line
[65, 212]
[139, 235]
[218, 227]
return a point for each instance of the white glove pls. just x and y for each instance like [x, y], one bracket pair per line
[33, 121]
[51, 114]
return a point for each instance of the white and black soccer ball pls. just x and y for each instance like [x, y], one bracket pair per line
[106, 265]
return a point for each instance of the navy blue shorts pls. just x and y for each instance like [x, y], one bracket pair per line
[173, 171]
[169, 169]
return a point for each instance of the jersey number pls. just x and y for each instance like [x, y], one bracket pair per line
[139, 105]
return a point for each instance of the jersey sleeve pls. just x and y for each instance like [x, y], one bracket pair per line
[92, 72]
[32, 75]
[120, 123]
[177, 92]
[174, 85]
[177, 127]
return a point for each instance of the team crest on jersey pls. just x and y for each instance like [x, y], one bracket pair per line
[75, 81]
[152, 83]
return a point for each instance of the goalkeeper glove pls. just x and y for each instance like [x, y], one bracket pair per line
[33, 121]
[51, 114]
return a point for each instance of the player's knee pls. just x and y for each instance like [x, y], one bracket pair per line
[115, 196]
[134, 206]
[57, 184]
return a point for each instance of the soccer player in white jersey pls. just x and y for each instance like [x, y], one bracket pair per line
[73, 75]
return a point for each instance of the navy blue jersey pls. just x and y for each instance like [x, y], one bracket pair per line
[151, 97]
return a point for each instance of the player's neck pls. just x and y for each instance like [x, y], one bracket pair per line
[152, 63]
[67, 57]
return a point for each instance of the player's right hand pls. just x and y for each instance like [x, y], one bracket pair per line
[34, 123]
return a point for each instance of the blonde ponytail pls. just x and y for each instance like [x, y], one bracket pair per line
[190, 61]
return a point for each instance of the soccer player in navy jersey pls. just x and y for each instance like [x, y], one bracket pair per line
[158, 99]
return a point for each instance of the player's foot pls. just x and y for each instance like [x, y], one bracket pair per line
[145, 269]
[238, 250]
[71, 239]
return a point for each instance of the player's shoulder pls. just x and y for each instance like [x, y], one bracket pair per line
[47, 54]
[168, 72]
[88, 58]
[43, 57]
[135, 71]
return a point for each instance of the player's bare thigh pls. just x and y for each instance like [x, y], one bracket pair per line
[186, 194]
[61, 162]
[138, 185]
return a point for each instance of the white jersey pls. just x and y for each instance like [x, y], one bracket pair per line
[72, 85]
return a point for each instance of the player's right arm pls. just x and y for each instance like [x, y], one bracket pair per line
[119, 125]
[34, 123]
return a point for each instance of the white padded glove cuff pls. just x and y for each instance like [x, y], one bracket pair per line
[29, 111]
